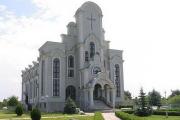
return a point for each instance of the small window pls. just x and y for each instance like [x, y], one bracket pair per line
[70, 73]
[86, 56]
[71, 61]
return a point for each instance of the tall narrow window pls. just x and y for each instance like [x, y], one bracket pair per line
[42, 77]
[117, 80]
[86, 56]
[71, 61]
[56, 77]
[70, 66]
[31, 93]
[92, 49]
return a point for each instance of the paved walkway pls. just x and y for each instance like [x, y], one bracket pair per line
[110, 116]
[28, 118]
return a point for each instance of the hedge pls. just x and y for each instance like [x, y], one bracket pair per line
[128, 111]
[170, 113]
[126, 116]
[125, 106]
[98, 116]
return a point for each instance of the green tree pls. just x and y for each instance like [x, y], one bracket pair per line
[154, 98]
[12, 101]
[4, 103]
[174, 100]
[127, 95]
[174, 93]
[142, 99]
[143, 109]
[70, 106]
[1, 105]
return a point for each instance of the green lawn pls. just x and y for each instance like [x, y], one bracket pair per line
[60, 116]
[159, 117]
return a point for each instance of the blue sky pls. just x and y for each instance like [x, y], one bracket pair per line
[147, 32]
[20, 7]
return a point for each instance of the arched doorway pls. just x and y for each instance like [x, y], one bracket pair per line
[97, 94]
[71, 92]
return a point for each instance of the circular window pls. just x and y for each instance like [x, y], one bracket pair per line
[96, 70]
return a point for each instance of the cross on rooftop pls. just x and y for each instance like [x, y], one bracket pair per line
[91, 19]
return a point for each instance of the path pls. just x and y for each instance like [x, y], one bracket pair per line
[28, 118]
[110, 116]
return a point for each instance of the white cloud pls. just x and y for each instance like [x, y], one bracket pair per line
[147, 31]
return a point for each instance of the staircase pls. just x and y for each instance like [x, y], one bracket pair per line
[101, 106]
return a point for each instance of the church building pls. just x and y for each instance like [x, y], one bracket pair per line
[82, 67]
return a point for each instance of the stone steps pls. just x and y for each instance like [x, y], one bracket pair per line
[101, 106]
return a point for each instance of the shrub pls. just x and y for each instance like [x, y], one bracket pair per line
[143, 112]
[70, 106]
[126, 116]
[128, 111]
[29, 107]
[125, 106]
[170, 113]
[98, 116]
[35, 114]
[19, 110]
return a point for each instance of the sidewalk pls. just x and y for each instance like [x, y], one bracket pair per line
[110, 116]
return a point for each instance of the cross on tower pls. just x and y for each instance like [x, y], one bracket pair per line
[91, 19]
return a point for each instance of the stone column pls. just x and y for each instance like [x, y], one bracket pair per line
[107, 97]
[113, 97]
[91, 97]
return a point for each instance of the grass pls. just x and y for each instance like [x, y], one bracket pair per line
[160, 117]
[55, 116]
[126, 116]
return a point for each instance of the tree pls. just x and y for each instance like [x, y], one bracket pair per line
[12, 101]
[4, 103]
[143, 109]
[174, 93]
[1, 105]
[154, 98]
[127, 95]
[70, 106]
[142, 99]
[174, 100]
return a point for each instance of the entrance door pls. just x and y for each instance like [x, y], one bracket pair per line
[97, 92]
[71, 92]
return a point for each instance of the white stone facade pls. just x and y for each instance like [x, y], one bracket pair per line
[81, 67]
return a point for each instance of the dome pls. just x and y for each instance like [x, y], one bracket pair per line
[88, 6]
[71, 24]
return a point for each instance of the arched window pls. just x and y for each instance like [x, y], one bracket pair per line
[117, 80]
[70, 66]
[86, 56]
[92, 49]
[71, 92]
[56, 77]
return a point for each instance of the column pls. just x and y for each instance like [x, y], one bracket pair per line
[113, 97]
[91, 97]
[107, 97]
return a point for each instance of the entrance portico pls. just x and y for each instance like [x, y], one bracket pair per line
[103, 90]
